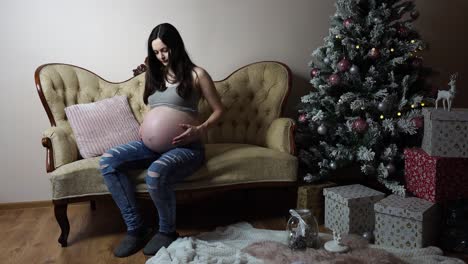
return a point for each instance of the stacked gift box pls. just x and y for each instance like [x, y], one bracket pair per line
[400, 222]
[310, 197]
[350, 208]
[406, 223]
[438, 172]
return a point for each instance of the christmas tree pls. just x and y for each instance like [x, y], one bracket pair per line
[369, 85]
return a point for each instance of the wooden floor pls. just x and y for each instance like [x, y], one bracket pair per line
[30, 235]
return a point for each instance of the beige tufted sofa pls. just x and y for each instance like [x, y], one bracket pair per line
[251, 147]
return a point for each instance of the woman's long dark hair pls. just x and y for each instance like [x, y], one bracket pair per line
[179, 62]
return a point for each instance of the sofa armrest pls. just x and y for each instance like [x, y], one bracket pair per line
[61, 148]
[280, 135]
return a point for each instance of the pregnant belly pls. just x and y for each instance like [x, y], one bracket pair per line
[161, 125]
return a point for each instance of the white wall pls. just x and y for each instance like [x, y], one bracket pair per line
[109, 37]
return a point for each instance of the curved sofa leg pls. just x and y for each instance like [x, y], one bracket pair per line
[60, 210]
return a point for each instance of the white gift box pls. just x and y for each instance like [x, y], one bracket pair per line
[446, 133]
[350, 208]
[406, 223]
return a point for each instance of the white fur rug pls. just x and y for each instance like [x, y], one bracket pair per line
[232, 245]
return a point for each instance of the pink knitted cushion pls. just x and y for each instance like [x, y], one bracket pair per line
[102, 125]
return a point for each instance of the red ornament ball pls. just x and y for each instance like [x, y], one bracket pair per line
[403, 31]
[344, 65]
[360, 125]
[334, 79]
[414, 15]
[347, 22]
[314, 72]
[418, 121]
[417, 63]
[302, 118]
[374, 53]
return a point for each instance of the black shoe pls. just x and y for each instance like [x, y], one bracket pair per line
[131, 244]
[158, 241]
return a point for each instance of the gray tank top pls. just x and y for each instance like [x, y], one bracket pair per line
[170, 98]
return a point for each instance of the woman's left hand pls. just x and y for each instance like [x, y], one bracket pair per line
[190, 134]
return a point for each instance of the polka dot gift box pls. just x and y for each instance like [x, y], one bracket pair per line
[446, 133]
[406, 223]
[435, 179]
[350, 208]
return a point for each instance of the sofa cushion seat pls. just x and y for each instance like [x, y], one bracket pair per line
[226, 164]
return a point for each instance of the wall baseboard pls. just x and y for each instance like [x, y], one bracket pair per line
[21, 205]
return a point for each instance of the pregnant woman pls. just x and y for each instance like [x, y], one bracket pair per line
[170, 145]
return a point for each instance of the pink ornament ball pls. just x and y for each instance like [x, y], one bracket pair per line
[360, 125]
[314, 72]
[374, 53]
[344, 65]
[418, 121]
[347, 22]
[417, 63]
[161, 125]
[334, 79]
[403, 31]
[302, 118]
[414, 15]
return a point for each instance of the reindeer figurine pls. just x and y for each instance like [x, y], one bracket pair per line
[448, 95]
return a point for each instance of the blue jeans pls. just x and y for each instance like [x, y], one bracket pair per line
[164, 171]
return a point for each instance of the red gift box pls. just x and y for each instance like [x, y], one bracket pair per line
[435, 179]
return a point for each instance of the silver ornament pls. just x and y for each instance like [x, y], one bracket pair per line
[326, 60]
[390, 168]
[354, 69]
[322, 130]
[368, 236]
[333, 165]
[382, 106]
[370, 170]
[309, 178]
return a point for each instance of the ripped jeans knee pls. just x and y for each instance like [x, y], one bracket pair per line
[105, 162]
[153, 180]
